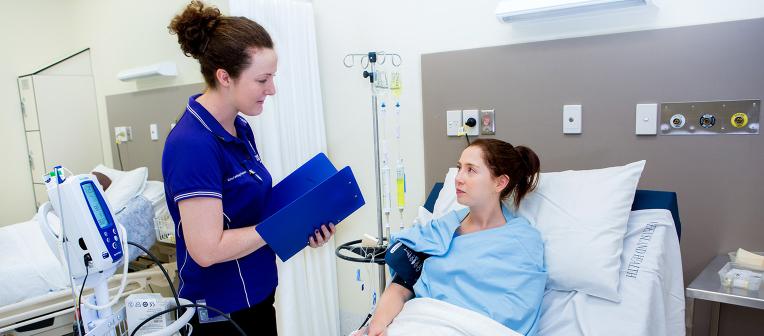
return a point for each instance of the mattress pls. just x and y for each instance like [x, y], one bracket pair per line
[651, 288]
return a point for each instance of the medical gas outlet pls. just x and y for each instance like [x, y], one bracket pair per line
[739, 120]
[710, 117]
[677, 121]
[707, 121]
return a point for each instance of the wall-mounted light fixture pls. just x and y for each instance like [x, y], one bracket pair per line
[160, 69]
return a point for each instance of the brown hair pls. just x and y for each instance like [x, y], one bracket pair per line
[519, 163]
[216, 40]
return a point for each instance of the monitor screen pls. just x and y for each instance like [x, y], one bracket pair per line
[95, 206]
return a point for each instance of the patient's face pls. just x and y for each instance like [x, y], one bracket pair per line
[475, 184]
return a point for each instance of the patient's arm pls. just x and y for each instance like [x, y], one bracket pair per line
[389, 306]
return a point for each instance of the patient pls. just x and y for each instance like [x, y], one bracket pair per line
[483, 258]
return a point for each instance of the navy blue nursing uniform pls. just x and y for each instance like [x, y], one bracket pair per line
[201, 159]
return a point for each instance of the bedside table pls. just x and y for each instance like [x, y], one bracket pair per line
[707, 286]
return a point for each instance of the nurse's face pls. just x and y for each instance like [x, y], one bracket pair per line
[255, 83]
[475, 184]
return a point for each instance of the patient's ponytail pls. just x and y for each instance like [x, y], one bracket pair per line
[529, 180]
[519, 163]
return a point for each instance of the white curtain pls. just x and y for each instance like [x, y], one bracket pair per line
[289, 132]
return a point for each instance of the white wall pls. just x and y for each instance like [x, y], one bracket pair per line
[35, 34]
[124, 35]
[412, 28]
[121, 35]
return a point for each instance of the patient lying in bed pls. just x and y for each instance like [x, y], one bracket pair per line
[482, 260]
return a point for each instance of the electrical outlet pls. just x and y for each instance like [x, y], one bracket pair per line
[453, 122]
[470, 119]
[120, 134]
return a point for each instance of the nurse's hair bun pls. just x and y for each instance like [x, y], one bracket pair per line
[195, 27]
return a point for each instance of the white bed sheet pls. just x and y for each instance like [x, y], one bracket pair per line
[652, 293]
[27, 262]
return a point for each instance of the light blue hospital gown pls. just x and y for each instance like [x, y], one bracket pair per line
[497, 272]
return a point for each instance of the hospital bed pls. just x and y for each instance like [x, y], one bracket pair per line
[52, 313]
[651, 284]
[35, 293]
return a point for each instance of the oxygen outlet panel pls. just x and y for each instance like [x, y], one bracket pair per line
[710, 118]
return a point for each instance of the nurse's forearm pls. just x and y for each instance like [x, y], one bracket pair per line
[247, 239]
[390, 305]
[206, 241]
[231, 244]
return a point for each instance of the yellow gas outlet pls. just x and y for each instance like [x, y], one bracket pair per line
[739, 120]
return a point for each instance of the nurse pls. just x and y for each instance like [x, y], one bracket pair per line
[483, 258]
[215, 181]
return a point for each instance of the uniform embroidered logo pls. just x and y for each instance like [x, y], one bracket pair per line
[257, 157]
[235, 176]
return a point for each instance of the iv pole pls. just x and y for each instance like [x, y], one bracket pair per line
[371, 57]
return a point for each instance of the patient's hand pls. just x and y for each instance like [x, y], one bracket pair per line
[321, 237]
[371, 330]
[375, 329]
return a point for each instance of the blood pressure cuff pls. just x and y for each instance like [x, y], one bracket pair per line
[405, 263]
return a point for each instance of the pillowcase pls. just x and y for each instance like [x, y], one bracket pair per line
[154, 192]
[111, 173]
[446, 201]
[125, 187]
[582, 217]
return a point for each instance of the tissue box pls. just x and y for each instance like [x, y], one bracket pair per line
[737, 276]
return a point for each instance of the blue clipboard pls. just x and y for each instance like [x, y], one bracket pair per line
[314, 194]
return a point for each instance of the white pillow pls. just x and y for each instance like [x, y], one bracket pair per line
[154, 192]
[446, 201]
[423, 216]
[582, 217]
[111, 173]
[128, 185]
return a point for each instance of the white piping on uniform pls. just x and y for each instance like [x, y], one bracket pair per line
[197, 193]
[198, 117]
[185, 259]
[257, 155]
[246, 295]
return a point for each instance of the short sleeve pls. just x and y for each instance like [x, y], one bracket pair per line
[191, 168]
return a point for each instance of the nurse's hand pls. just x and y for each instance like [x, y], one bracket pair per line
[320, 238]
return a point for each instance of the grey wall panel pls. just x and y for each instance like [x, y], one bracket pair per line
[718, 178]
[139, 110]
